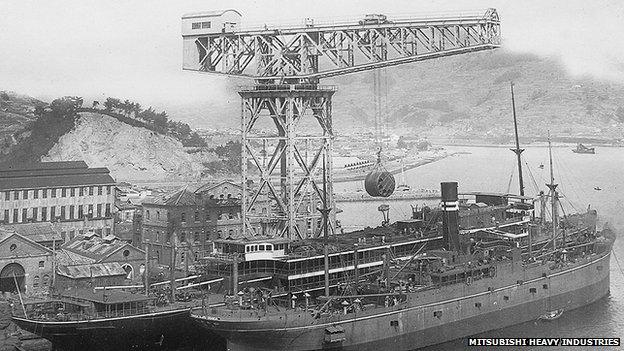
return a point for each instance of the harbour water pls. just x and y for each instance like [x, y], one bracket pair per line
[489, 169]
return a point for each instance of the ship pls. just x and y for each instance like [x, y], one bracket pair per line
[468, 282]
[90, 319]
[480, 261]
[582, 149]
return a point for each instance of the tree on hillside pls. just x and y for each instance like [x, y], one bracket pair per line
[136, 109]
[95, 104]
[111, 103]
[66, 106]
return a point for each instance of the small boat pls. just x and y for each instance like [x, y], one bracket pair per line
[597, 188]
[552, 315]
[582, 149]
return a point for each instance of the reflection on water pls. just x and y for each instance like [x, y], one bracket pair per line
[490, 169]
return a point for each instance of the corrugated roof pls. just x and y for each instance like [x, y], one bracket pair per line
[96, 270]
[68, 258]
[58, 174]
[95, 247]
[38, 232]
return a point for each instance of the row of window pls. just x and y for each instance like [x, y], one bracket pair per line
[197, 217]
[162, 237]
[45, 281]
[57, 192]
[200, 25]
[53, 213]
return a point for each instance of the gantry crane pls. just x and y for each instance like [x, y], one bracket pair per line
[293, 163]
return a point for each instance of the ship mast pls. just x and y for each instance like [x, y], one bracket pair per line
[553, 193]
[325, 213]
[518, 151]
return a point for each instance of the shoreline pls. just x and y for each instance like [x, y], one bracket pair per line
[394, 171]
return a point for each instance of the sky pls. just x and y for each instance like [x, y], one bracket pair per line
[133, 48]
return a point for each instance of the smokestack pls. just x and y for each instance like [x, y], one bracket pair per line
[450, 218]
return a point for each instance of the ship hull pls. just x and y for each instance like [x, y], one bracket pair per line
[151, 331]
[417, 326]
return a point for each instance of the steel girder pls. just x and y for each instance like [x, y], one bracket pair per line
[310, 53]
[286, 164]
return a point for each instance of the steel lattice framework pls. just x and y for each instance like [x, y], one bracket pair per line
[287, 64]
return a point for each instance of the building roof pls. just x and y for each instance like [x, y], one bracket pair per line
[186, 197]
[53, 174]
[68, 258]
[213, 13]
[96, 270]
[38, 232]
[5, 234]
[104, 296]
[96, 248]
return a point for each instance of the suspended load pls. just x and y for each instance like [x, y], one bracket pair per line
[379, 182]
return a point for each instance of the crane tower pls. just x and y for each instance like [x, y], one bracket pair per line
[292, 163]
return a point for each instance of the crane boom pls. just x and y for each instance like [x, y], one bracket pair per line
[308, 52]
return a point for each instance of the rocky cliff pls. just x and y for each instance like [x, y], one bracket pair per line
[131, 153]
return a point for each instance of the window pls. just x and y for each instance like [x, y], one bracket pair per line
[90, 213]
[44, 213]
[196, 216]
[205, 25]
[157, 215]
[15, 215]
[25, 194]
[147, 215]
[108, 190]
[99, 210]
[437, 314]
[52, 212]
[506, 298]
[394, 323]
[6, 216]
[41, 264]
[34, 213]
[91, 190]
[196, 25]
[13, 247]
[46, 280]
[36, 282]
[64, 192]
[24, 214]
[231, 215]
[71, 211]
[478, 304]
[545, 286]
[183, 237]
[36, 194]
[72, 192]
[157, 236]
[16, 195]
[44, 193]
[532, 290]
[72, 234]
[81, 192]
[99, 190]
[80, 212]
[126, 253]
[53, 192]
[107, 212]
[62, 212]
[7, 196]
[183, 217]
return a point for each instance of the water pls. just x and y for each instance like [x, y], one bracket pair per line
[489, 169]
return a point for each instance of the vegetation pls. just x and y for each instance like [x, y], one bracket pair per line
[51, 123]
[229, 159]
[156, 121]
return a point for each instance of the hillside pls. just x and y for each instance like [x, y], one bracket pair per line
[468, 96]
[16, 114]
[465, 96]
[131, 153]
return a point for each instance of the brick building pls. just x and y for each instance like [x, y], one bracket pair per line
[71, 195]
[195, 216]
[26, 262]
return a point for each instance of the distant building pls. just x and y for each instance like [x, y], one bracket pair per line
[88, 276]
[128, 222]
[89, 249]
[197, 217]
[24, 262]
[71, 195]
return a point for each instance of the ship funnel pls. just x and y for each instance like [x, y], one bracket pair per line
[450, 218]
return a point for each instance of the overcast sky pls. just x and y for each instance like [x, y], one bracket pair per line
[132, 49]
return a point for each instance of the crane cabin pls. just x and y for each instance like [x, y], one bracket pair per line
[198, 24]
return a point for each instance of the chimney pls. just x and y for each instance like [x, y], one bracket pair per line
[450, 215]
